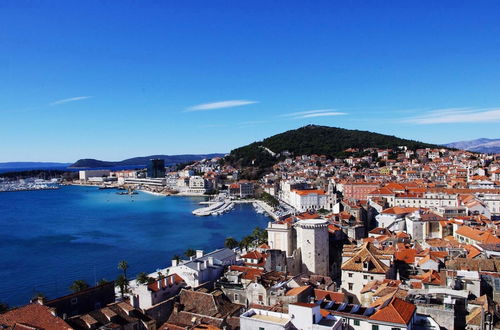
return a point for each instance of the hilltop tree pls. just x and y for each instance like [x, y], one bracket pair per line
[78, 286]
[123, 265]
[230, 243]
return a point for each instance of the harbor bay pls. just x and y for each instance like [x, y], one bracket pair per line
[51, 238]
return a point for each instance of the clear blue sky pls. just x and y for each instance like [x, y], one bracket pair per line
[115, 79]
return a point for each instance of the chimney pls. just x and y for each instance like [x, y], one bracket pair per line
[198, 266]
[205, 264]
[159, 284]
[175, 262]
[210, 261]
[177, 307]
[199, 253]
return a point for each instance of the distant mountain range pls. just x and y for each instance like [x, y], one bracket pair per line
[313, 139]
[490, 146]
[142, 161]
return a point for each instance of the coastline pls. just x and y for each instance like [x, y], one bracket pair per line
[264, 205]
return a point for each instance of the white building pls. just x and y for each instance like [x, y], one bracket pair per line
[203, 268]
[198, 185]
[305, 200]
[300, 316]
[145, 296]
[86, 175]
[279, 236]
[360, 266]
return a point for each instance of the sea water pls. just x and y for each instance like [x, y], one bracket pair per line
[50, 238]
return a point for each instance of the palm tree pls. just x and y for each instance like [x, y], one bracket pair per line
[260, 235]
[121, 282]
[230, 243]
[142, 278]
[123, 265]
[78, 286]
[246, 242]
[189, 253]
[102, 281]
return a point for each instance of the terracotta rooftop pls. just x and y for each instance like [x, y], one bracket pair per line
[33, 315]
[395, 311]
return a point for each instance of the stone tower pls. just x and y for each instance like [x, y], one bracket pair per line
[312, 240]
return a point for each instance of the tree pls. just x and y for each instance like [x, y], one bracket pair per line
[259, 235]
[246, 242]
[102, 281]
[190, 253]
[142, 278]
[121, 282]
[176, 258]
[123, 265]
[78, 286]
[230, 243]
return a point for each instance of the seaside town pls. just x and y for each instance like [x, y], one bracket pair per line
[381, 239]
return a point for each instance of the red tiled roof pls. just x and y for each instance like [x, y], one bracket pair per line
[249, 273]
[165, 282]
[298, 290]
[307, 192]
[396, 311]
[407, 255]
[329, 295]
[34, 315]
[399, 210]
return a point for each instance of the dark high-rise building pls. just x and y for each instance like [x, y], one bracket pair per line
[156, 168]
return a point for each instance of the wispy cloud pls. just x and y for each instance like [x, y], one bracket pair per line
[219, 105]
[457, 115]
[313, 114]
[72, 99]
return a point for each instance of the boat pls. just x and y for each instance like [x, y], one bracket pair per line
[106, 187]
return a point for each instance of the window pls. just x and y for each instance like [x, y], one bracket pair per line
[350, 274]
[365, 277]
[356, 322]
[374, 327]
[261, 328]
[74, 301]
[395, 328]
[236, 297]
[350, 285]
[261, 297]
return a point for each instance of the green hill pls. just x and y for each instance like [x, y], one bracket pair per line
[312, 139]
[142, 161]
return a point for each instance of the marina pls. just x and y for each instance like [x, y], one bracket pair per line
[28, 185]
